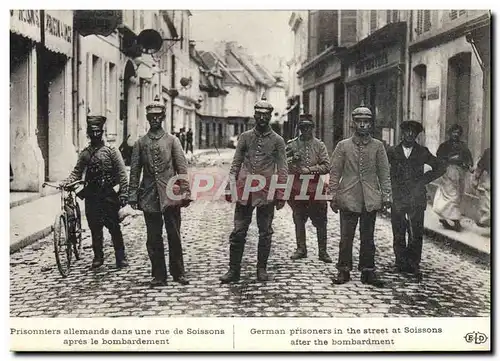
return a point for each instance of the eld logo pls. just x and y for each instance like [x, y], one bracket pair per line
[476, 337]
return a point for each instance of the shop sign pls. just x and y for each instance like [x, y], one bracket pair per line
[59, 31]
[26, 23]
[374, 61]
[366, 65]
[433, 93]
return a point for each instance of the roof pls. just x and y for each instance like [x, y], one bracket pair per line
[256, 70]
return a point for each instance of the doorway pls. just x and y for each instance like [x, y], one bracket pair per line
[458, 92]
[50, 99]
[127, 101]
[338, 113]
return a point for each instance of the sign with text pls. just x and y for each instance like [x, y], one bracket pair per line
[250, 334]
[433, 93]
[26, 23]
[58, 29]
[374, 61]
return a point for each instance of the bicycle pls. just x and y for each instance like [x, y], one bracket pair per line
[67, 227]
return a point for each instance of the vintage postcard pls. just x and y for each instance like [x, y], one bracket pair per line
[258, 180]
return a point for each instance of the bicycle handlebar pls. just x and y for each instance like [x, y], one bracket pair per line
[65, 186]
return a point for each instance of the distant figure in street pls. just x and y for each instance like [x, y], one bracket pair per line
[260, 151]
[448, 197]
[126, 150]
[308, 155]
[409, 195]
[482, 184]
[189, 141]
[104, 169]
[182, 137]
[159, 156]
[360, 186]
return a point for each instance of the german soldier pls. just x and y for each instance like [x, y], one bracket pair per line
[104, 170]
[307, 155]
[360, 186]
[159, 156]
[260, 152]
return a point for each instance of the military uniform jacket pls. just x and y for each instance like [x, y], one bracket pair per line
[408, 179]
[311, 154]
[159, 157]
[104, 169]
[360, 176]
[262, 154]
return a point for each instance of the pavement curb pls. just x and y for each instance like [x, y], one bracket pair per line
[32, 238]
[483, 256]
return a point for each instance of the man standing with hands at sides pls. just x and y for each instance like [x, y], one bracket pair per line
[407, 160]
[160, 157]
[260, 153]
[360, 186]
[307, 155]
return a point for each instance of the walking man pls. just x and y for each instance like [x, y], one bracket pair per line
[260, 152]
[360, 186]
[159, 156]
[307, 158]
[104, 169]
[189, 141]
[408, 180]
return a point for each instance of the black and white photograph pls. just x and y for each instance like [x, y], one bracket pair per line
[250, 180]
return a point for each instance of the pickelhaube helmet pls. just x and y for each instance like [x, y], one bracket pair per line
[305, 119]
[155, 107]
[263, 106]
[362, 112]
[96, 121]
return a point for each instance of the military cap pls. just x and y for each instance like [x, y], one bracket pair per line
[96, 121]
[412, 124]
[362, 112]
[306, 119]
[156, 107]
[263, 106]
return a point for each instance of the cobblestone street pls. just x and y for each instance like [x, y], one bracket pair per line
[454, 283]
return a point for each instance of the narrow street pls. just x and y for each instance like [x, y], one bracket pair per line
[454, 283]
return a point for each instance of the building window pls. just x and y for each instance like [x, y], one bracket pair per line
[373, 20]
[392, 16]
[455, 14]
[423, 21]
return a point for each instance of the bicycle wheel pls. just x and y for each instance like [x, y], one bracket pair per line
[77, 244]
[62, 249]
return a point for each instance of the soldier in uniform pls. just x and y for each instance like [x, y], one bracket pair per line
[260, 151]
[307, 154]
[105, 169]
[159, 156]
[360, 186]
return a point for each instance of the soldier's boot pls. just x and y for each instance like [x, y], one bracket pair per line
[121, 258]
[98, 260]
[342, 277]
[322, 254]
[370, 278]
[262, 257]
[235, 255]
[301, 251]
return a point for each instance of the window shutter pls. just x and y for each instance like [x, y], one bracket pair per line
[347, 27]
[453, 14]
[373, 20]
[313, 34]
[427, 20]
[420, 21]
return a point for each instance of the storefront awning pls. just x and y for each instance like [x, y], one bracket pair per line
[58, 30]
[26, 23]
[480, 38]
